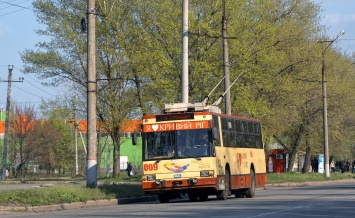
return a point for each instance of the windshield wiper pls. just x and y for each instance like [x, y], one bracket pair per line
[157, 161]
[193, 156]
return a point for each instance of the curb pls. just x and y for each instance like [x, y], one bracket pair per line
[77, 205]
[308, 183]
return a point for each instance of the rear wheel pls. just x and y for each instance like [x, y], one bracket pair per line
[223, 194]
[163, 198]
[250, 192]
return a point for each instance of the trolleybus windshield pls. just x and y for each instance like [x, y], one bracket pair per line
[177, 144]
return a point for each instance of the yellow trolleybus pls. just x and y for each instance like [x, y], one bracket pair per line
[193, 149]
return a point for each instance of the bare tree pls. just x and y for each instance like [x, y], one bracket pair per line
[38, 142]
[22, 121]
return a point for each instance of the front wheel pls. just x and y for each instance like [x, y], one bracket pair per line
[223, 194]
[250, 192]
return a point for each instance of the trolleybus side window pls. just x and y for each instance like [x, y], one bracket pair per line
[215, 131]
[258, 140]
[241, 133]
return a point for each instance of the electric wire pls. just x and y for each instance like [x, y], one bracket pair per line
[13, 6]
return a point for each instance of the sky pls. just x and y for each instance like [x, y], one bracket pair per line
[17, 33]
[338, 15]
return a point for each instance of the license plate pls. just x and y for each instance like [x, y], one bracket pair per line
[177, 176]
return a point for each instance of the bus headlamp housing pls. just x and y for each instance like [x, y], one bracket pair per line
[150, 177]
[192, 181]
[206, 174]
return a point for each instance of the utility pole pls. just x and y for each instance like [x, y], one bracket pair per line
[8, 101]
[226, 62]
[91, 165]
[325, 105]
[75, 141]
[185, 53]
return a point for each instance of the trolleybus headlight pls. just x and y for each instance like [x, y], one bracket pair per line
[206, 173]
[150, 177]
[192, 181]
[157, 181]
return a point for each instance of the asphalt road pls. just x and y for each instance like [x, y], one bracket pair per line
[329, 200]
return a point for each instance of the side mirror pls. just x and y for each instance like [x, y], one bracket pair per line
[134, 138]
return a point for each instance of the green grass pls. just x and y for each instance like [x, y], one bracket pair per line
[120, 187]
[305, 177]
[69, 193]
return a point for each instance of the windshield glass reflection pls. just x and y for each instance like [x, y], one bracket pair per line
[176, 144]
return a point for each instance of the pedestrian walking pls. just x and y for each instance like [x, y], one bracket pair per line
[129, 169]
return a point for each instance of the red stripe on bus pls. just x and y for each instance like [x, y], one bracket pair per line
[180, 184]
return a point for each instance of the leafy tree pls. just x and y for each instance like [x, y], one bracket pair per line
[273, 52]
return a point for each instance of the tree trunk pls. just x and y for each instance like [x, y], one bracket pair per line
[116, 154]
[297, 138]
[307, 163]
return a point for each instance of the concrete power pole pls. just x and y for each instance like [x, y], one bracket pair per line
[91, 163]
[76, 141]
[8, 106]
[226, 62]
[185, 53]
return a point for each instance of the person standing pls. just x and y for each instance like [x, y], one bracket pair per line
[341, 166]
[347, 166]
[332, 167]
[129, 169]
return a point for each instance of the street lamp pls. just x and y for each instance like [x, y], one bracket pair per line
[325, 110]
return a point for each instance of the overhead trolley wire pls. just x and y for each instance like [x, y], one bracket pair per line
[12, 6]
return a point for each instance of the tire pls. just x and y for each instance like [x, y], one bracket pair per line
[163, 198]
[192, 196]
[250, 192]
[223, 194]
